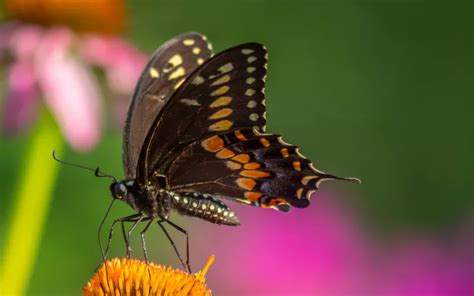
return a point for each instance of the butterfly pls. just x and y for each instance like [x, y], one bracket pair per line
[195, 138]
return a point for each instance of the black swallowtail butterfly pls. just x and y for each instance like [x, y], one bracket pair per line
[194, 137]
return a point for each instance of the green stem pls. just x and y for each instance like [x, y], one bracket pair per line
[30, 208]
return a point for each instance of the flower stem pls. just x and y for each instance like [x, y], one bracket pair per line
[30, 207]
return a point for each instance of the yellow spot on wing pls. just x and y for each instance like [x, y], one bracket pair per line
[242, 158]
[176, 60]
[178, 73]
[189, 42]
[299, 192]
[220, 91]
[246, 183]
[213, 144]
[305, 180]
[222, 101]
[200, 61]
[221, 80]
[226, 68]
[221, 125]
[178, 83]
[221, 113]
[154, 73]
[196, 50]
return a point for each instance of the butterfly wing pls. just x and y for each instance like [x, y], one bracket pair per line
[247, 166]
[226, 92]
[167, 69]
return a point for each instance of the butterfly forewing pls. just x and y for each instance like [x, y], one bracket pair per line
[225, 93]
[248, 166]
[166, 70]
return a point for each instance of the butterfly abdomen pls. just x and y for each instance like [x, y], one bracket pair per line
[203, 206]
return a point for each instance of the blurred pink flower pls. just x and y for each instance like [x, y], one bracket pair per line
[323, 250]
[56, 64]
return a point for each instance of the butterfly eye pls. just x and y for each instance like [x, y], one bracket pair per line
[120, 190]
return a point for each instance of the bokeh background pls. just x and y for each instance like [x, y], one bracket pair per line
[381, 90]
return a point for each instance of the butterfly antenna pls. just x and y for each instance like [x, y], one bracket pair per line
[96, 171]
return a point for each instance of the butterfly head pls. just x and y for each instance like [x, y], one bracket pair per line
[121, 189]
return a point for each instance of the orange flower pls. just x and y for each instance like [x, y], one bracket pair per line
[135, 277]
[100, 16]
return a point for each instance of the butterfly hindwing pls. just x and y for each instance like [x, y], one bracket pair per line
[226, 92]
[247, 166]
[166, 70]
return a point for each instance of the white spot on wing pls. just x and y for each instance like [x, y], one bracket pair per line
[226, 68]
[249, 92]
[253, 117]
[251, 104]
[190, 102]
[198, 80]
[247, 51]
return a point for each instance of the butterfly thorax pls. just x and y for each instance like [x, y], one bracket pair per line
[148, 199]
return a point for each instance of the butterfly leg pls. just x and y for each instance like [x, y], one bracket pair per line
[185, 265]
[130, 218]
[183, 231]
[129, 233]
[142, 234]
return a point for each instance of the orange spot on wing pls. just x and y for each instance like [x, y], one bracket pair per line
[233, 165]
[240, 136]
[252, 166]
[252, 196]
[225, 153]
[264, 142]
[297, 165]
[254, 174]
[242, 158]
[246, 183]
[213, 144]
[284, 152]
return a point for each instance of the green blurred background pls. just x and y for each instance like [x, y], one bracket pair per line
[381, 90]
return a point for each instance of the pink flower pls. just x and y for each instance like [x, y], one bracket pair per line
[56, 65]
[323, 250]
